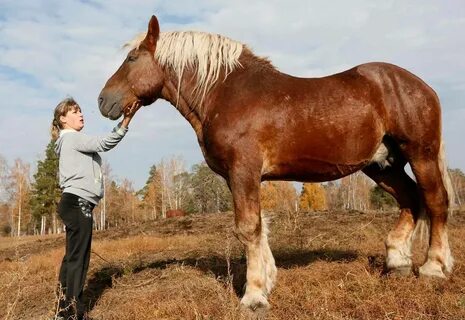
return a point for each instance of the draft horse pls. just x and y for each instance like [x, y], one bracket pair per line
[254, 123]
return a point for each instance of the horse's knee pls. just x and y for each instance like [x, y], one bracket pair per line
[247, 232]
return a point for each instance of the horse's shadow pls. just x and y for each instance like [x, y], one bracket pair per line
[216, 265]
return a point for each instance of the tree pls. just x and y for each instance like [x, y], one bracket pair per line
[100, 212]
[355, 191]
[128, 200]
[46, 190]
[278, 196]
[178, 181]
[181, 184]
[333, 199]
[19, 186]
[312, 197]
[114, 205]
[151, 193]
[381, 200]
[458, 182]
[169, 169]
[5, 227]
[4, 172]
[269, 196]
[209, 191]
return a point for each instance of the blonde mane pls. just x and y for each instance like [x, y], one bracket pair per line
[204, 52]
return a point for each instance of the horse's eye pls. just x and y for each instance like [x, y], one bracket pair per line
[132, 58]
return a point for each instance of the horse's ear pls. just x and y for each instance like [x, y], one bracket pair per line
[153, 33]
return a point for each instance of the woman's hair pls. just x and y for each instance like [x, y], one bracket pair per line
[61, 110]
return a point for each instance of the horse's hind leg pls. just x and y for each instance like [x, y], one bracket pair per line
[431, 185]
[252, 232]
[395, 181]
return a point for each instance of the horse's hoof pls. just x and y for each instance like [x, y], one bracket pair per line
[401, 271]
[255, 302]
[431, 269]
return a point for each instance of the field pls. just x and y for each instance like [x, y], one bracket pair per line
[330, 266]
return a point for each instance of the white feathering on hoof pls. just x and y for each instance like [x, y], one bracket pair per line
[268, 259]
[446, 177]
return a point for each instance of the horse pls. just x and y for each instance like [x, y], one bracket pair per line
[254, 123]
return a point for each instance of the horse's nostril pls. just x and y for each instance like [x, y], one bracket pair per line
[100, 100]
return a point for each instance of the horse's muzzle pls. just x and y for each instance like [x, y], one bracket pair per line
[110, 107]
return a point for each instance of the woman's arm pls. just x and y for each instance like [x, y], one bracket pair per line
[85, 143]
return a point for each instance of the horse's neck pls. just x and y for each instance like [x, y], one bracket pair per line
[185, 103]
[190, 101]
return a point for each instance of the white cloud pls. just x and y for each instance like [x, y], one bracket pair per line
[49, 49]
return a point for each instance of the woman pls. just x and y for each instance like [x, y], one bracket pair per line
[82, 185]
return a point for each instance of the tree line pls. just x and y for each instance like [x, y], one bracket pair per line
[28, 205]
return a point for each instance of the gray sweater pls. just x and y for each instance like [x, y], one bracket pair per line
[80, 164]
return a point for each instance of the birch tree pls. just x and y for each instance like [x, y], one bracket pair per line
[355, 191]
[20, 196]
[170, 193]
[100, 212]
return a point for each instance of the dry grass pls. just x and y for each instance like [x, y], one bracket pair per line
[330, 266]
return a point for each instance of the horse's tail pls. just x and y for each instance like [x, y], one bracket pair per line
[422, 227]
[446, 178]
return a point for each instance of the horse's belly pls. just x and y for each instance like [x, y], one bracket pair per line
[309, 170]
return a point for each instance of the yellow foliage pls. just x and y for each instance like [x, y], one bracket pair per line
[278, 196]
[312, 197]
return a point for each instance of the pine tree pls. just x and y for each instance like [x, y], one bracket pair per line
[45, 189]
[380, 199]
[143, 192]
[210, 192]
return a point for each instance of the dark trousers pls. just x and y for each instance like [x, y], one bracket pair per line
[76, 214]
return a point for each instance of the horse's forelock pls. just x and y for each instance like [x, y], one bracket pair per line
[135, 42]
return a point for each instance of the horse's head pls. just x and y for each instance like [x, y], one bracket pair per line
[139, 79]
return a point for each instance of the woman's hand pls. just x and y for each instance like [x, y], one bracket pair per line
[129, 113]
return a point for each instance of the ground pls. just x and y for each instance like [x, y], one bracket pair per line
[330, 266]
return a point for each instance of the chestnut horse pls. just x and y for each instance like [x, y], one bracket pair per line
[254, 123]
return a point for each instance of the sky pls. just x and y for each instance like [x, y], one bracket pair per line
[53, 49]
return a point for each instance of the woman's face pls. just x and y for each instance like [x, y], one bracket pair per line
[73, 119]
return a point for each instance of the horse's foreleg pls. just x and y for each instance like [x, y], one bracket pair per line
[251, 231]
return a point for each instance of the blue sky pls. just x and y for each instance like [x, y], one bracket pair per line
[51, 49]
